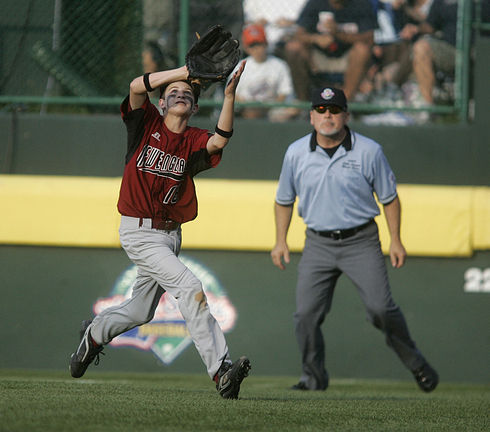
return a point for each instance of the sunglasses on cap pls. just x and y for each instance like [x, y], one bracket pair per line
[333, 109]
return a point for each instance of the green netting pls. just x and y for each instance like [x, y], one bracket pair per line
[89, 47]
[85, 52]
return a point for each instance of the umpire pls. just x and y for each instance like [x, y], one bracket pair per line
[334, 172]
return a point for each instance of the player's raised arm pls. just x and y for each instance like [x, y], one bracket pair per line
[151, 81]
[224, 127]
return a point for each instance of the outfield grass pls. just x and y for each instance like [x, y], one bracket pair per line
[53, 401]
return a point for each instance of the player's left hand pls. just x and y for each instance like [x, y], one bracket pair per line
[398, 254]
[230, 88]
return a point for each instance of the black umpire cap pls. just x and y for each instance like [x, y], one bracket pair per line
[328, 96]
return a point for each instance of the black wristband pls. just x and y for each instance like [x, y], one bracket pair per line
[223, 133]
[146, 82]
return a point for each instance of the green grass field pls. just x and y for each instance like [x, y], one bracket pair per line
[53, 401]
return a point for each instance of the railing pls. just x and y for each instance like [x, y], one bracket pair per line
[469, 23]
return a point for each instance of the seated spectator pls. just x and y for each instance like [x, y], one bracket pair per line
[415, 11]
[391, 60]
[333, 36]
[435, 46]
[278, 17]
[160, 27]
[205, 14]
[152, 58]
[265, 79]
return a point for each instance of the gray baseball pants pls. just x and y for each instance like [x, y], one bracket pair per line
[361, 259]
[155, 252]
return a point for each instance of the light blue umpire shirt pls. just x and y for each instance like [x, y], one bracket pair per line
[336, 193]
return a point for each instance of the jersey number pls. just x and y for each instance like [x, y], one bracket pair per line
[172, 195]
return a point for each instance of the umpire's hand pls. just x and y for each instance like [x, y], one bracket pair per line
[398, 254]
[280, 255]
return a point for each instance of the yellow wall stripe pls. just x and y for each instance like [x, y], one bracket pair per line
[233, 215]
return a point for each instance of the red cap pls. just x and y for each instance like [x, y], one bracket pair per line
[253, 33]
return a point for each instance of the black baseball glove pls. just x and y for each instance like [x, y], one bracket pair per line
[212, 57]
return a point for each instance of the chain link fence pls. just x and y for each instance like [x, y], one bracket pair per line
[83, 48]
[85, 52]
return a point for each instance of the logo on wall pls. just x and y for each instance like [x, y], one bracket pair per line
[167, 335]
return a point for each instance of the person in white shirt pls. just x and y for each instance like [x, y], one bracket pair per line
[277, 16]
[266, 79]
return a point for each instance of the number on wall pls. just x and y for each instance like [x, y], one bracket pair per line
[477, 280]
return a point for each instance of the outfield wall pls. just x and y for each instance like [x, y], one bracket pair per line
[47, 291]
[233, 215]
[59, 252]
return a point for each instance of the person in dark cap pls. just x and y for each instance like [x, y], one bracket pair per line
[335, 173]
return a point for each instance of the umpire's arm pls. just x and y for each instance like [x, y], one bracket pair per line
[282, 217]
[392, 212]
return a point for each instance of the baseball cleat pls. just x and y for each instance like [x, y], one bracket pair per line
[426, 377]
[230, 376]
[300, 386]
[86, 353]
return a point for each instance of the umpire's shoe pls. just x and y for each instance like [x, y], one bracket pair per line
[230, 376]
[426, 377]
[87, 351]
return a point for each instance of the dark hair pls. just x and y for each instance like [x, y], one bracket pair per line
[155, 53]
[196, 89]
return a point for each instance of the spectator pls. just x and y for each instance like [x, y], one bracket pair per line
[205, 14]
[278, 18]
[435, 48]
[152, 58]
[333, 36]
[266, 78]
[153, 61]
[160, 25]
[391, 62]
[416, 11]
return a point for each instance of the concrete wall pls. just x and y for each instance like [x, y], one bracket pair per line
[455, 154]
[46, 292]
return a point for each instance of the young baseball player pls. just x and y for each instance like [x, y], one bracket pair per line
[157, 196]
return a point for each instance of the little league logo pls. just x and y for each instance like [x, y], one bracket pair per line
[167, 335]
[327, 94]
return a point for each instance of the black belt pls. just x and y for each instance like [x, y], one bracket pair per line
[343, 233]
[165, 225]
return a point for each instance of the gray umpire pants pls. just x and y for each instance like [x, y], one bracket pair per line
[159, 270]
[361, 259]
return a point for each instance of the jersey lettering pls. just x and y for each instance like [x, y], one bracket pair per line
[157, 162]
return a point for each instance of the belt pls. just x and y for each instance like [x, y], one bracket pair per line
[160, 224]
[343, 233]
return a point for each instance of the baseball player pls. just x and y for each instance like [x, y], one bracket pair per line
[335, 172]
[157, 196]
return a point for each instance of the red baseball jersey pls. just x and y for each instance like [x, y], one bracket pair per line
[160, 165]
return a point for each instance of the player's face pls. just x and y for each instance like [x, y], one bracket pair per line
[327, 123]
[257, 51]
[179, 98]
